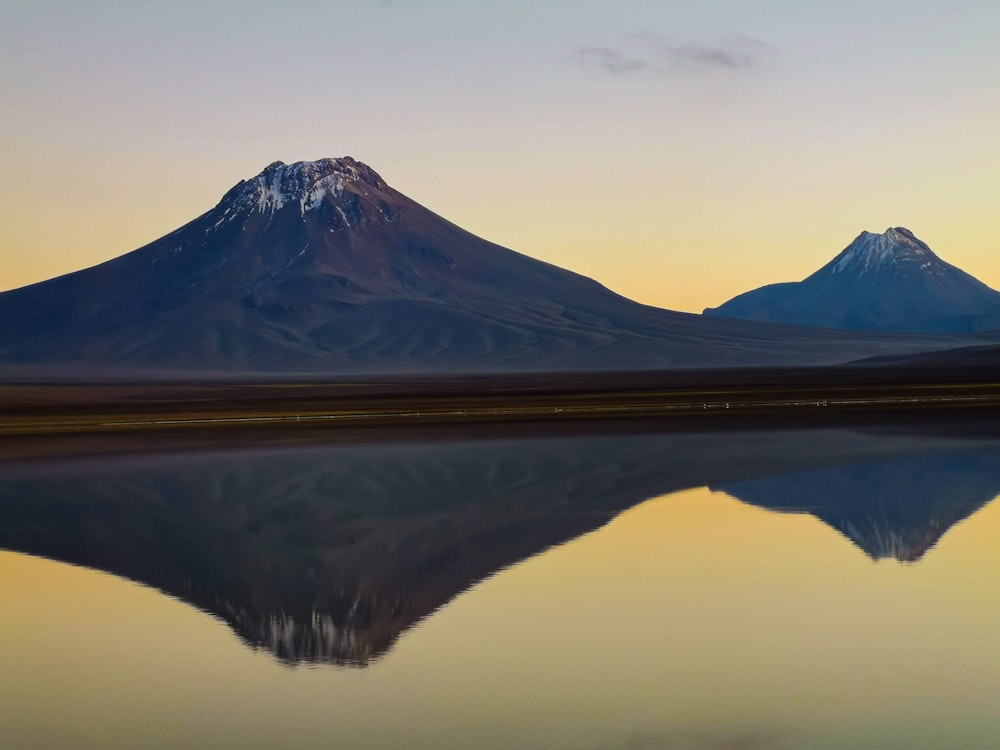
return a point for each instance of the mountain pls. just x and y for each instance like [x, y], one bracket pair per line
[323, 267]
[889, 509]
[325, 550]
[889, 282]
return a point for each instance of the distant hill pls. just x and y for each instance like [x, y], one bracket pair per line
[885, 282]
[321, 267]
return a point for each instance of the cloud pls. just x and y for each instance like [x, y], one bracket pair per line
[712, 56]
[664, 53]
[610, 59]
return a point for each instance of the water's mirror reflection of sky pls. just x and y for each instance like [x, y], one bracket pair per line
[772, 589]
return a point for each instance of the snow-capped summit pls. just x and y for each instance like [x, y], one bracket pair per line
[891, 281]
[351, 189]
[895, 250]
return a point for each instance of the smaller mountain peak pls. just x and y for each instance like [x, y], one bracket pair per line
[903, 236]
[875, 253]
[881, 282]
[900, 231]
[895, 234]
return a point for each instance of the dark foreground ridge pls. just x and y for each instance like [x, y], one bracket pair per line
[911, 384]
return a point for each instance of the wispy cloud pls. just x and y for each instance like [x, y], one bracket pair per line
[610, 59]
[649, 52]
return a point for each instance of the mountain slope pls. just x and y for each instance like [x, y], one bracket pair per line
[322, 267]
[890, 282]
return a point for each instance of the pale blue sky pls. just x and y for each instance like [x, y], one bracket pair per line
[677, 152]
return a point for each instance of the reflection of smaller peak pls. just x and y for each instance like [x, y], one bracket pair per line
[898, 508]
[880, 540]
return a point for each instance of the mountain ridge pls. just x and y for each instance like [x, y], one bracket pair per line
[891, 282]
[323, 267]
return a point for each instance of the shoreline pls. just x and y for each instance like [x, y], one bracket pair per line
[27, 408]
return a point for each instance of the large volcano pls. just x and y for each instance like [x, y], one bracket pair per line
[322, 267]
[890, 282]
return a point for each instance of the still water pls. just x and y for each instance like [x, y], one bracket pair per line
[771, 588]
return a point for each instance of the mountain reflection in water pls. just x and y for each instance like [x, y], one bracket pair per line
[326, 552]
[896, 508]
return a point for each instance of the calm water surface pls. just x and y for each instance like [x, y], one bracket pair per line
[758, 589]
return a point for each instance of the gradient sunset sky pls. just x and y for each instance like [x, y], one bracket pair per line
[677, 152]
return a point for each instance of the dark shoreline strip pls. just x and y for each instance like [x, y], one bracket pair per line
[93, 409]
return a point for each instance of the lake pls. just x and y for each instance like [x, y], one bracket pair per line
[591, 586]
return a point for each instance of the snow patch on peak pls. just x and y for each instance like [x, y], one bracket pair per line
[268, 189]
[330, 185]
[875, 253]
[906, 240]
[304, 173]
[900, 232]
[306, 183]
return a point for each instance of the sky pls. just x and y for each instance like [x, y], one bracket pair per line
[679, 153]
